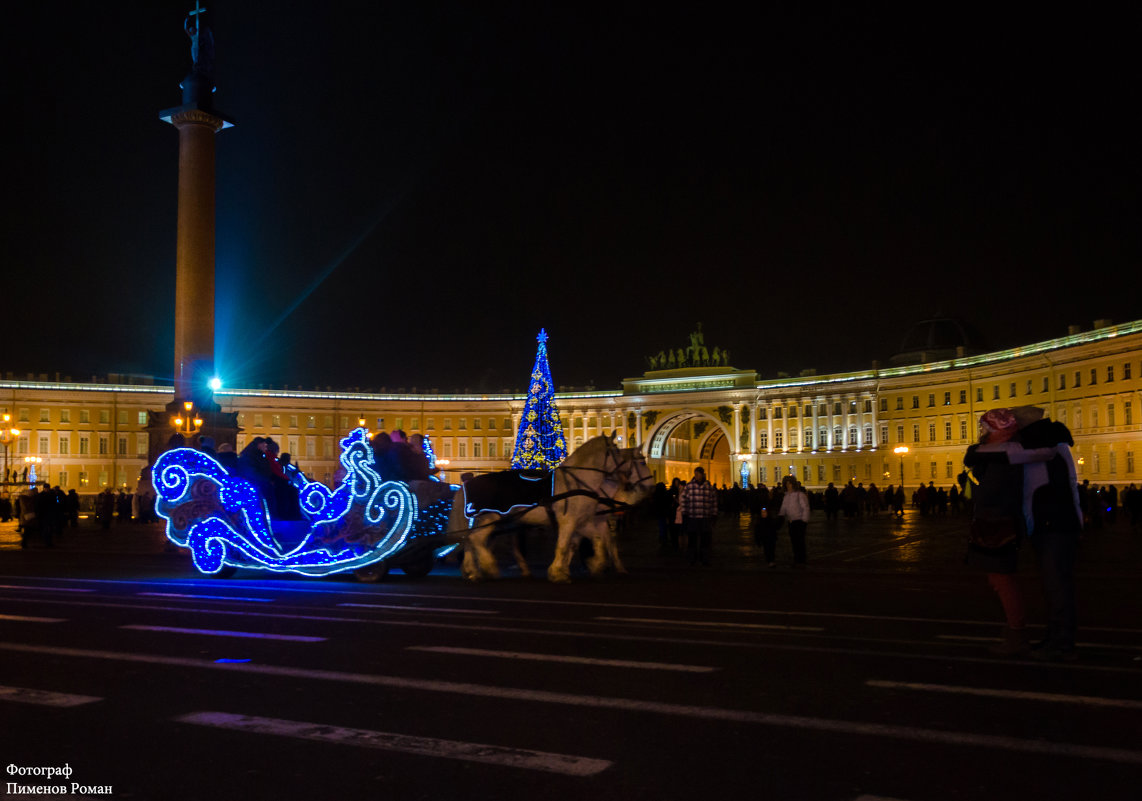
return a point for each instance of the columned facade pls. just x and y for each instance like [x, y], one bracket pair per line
[829, 428]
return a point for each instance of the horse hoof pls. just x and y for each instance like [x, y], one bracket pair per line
[559, 578]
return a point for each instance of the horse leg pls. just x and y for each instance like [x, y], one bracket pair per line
[524, 570]
[613, 551]
[559, 571]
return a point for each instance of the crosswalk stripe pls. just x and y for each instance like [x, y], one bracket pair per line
[908, 733]
[207, 597]
[1023, 695]
[25, 695]
[714, 624]
[403, 743]
[422, 609]
[252, 635]
[575, 660]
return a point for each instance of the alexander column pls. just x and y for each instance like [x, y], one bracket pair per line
[193, 412]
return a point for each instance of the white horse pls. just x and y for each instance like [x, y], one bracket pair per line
[596, 481]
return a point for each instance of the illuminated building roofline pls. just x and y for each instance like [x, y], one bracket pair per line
[1071, 340]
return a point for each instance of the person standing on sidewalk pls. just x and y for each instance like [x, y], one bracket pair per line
[699, 504]
[795, 510]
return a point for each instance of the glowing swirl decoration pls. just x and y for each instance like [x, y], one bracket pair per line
[223, 521]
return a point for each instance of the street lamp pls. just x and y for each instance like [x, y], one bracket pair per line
[900, 451]
[189, 424]
[8, 435]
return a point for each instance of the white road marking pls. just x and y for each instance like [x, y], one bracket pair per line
[911, 734]
[208, 597]
[282, 587]
[252, 635]
[28, 619]
[715, 624]
[423, 609]
[1107, 645]
[1022, 695]
[403, 743]
[45, 589]
[575, 660]
[25, 695]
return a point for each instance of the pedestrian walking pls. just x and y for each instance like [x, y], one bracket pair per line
[699, 504]
[795, 510]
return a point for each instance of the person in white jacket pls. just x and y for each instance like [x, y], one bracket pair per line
[795, 510]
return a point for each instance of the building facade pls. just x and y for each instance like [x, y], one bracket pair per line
[822, 429]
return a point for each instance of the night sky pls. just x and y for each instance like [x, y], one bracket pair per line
[414, 189]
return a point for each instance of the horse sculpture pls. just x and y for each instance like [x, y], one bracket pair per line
[596, 481]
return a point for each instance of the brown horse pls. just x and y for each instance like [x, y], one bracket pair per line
[588, 488]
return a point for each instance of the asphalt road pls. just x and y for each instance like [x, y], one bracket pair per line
[864, 677]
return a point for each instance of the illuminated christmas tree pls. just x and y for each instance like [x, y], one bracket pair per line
[539, 445]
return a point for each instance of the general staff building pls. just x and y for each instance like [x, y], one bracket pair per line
[740, 427]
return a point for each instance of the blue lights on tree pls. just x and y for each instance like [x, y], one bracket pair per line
[540, 445]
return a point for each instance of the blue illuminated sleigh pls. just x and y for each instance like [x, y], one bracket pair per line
[364, 526]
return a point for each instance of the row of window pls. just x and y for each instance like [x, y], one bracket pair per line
[822, 410]
[123, 417]
[64, 442]
[410, 424]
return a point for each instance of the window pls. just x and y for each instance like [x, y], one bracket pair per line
[979, 394]
[852, 407]
[1094, 417]
[915, 401]
[932, 470]
[963, 429]
[492, 450]
[64, 443]
[311, 421]
[931, 399]
[761, 413]
[1011, 393]
[507, 424]
[44, 440]
[84, 416]
[808, 438]
[1093, 376]
[1113, 463]
[141, 442]
[121, 450]
[884, 404]
[777, 439]
[1128, 413]
[947, 469]
[1130, 462]
[62, 479]
[805, 474]
[122, 417]
[276, 421]
[1078, 379]
[1046, 384]
[329, 421]
[883, 435]
[1062, 381]
[293, 421]
[1028, 392]
[258, 421]
[447, 423]
[822, 410]
[65, 416]
[104, 446]
[492, 423]
[763, 439]
[1110, 415]
[475, 450]
[963, 396]
[836, 472]
[45, 415]
[916, 432]
[852, 436]
[777, 413]
[142, 418]
[1126, 371]
[931, 432]
[948, 430]
[105, 416]
[837, 408]
[899, 403]
[900, 433]
[463, 424]
[995, 392]
[868, 436]
[84, 444]
[83, 478]
[947, 398]
[838, 437]
[792, 412]
[429, 424]
[821, 473]
[793, 438]
[1109, 373]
